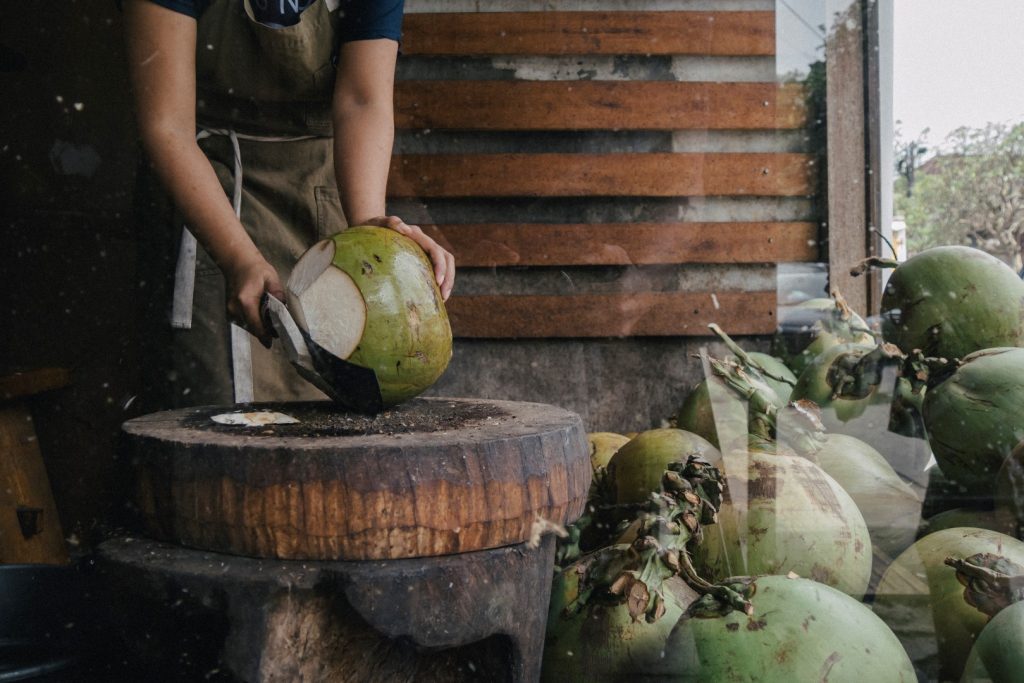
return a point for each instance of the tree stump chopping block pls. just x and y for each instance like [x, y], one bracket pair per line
[429, 477]
[180, 614]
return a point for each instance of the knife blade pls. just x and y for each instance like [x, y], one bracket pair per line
[354, 386]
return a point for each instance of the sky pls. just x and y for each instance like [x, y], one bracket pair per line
[956, 63]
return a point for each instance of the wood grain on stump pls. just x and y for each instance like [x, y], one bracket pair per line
[430, 477]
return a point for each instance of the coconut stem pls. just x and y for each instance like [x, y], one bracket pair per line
[691, 494]
[846, 314]
[859, 377]
[991, 582]
[723, 594]
[744, 357]
[737, 379]
[873, 262]
[888, 243]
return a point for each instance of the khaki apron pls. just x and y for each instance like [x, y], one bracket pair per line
[263, 109]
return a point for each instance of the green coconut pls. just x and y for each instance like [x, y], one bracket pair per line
[735, 397]
[997, 655]
[603, 446]
[800, 630]
[950, 301]
[975, 417]
[636, 469]
[891, 509]
[705, 417]
[633, 473]
[811, 327]
[602, 641]
[905, 412]
[612, 610]
[862, 392]
[921, 598]
[368, 295]
[844, 381]
[993, 520]
[1009, 498]
[782, 513]
[994, 586]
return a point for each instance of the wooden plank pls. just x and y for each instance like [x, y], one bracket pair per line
[597, 105]
[848, 184]
[878, 141]
[590, 33]
[616, 244]
[601, 175]
[612, 315]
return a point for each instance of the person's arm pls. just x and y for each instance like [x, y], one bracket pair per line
[161, 46]
[364, 130]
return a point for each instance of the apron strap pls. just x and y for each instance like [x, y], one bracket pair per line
[241, 364]
[185, 283]
[185, 270]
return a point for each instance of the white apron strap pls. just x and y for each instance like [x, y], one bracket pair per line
[185, 271]
[241, 364]
[185, 279]
[184, 282]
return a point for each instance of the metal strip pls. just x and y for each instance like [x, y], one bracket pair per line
[241, 364]
[184, 282]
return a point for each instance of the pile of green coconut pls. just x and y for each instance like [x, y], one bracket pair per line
[845, 507]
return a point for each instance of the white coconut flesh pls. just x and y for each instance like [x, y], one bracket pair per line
[326, 302]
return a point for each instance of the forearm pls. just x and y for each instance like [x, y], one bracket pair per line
[364, 132]
[363, 138]
[364, 126]
[195, 188]
[161, 62]
[193, 185]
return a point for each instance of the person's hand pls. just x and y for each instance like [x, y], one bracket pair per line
[247, 281]
[444, 262]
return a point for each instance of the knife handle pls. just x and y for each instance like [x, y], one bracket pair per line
[265, 317]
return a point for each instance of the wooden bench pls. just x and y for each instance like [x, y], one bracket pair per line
[525, 108]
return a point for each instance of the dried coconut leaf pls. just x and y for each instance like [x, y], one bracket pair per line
[637, 600]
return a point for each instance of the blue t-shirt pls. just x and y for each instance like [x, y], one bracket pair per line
[363, 19]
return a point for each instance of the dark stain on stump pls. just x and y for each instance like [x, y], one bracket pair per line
[323, 418]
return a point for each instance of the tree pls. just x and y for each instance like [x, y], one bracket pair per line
[972, 193]
[908, 158]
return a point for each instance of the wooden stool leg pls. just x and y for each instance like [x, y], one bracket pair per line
[473, 617]
[30, 530]
[458, 599]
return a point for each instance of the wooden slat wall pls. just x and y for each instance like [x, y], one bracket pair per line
[491, 245]
[601, 175]
[614, 315]
[590, 33]
[598, 105]
[526, 110]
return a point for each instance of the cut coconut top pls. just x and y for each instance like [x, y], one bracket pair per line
[326, 302]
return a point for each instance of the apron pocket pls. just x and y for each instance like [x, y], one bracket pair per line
[330, 219]
[294, 54]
